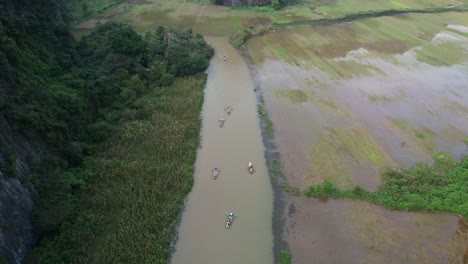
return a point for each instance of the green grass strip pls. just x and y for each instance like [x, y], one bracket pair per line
[442, 186]
[285, 257]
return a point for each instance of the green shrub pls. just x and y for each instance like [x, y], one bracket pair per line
[314, 190]
[285, 257]
[441, 186]
[276, 4]
[77, 97]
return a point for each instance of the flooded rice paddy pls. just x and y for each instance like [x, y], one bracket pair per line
[348, 99]
[345, 100]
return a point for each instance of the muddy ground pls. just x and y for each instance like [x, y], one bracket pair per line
[348, 99]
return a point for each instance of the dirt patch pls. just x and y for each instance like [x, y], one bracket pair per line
[251, 21]
[459, 244]
[395, 46]
[365, 233]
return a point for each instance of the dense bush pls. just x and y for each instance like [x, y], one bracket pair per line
[72, 96]
[285, 257]
[442, 186]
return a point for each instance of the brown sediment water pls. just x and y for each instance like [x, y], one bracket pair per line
[202, 236]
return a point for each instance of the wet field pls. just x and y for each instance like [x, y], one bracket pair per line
[345, 100]
[348, 99]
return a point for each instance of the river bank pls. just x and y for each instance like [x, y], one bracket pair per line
[273, 161]
[202, 237]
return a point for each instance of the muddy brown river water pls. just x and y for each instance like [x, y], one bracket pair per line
[202, 236]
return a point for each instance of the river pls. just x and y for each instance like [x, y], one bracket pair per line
[202, 236]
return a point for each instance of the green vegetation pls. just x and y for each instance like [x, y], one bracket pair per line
[291, 189]
[274, 6]
[240, 37]
[444, 54]
[423, 136]
[275, 169]
[285, 257]
[466, 140]
[442, 186]
[268, 124]
[266, 121]
[80, 9]
[119, 114]
[202, 2]
[142, 175]
[254, 8]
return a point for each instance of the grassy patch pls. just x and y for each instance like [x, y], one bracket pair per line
[384, 98]
[267, 123]
[445, 54]
[285, 257]
[269, 126]
[275, 169]
[422, 136]
[362, 145]
[240, 37]
[337, 148]
[260, 9]
[347, 69]
[86, 8]
[465, 140]
[328, 158]
[327, 47]
[143, 173]
[291, 189]
[202, 2]
[297, 96]
[218, 26]
[398, 4]
[437, 187]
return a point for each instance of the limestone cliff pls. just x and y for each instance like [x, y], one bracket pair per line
[17, 234]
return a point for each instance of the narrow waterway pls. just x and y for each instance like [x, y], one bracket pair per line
[202, 236]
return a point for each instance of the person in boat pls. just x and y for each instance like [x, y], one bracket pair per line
[250, 167]
[228, 109]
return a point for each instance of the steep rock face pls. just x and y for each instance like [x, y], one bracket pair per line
[19, 18]
[17, 235]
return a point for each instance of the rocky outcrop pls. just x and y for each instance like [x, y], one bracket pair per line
[17, 234]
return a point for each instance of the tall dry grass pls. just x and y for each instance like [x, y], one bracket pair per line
[143, 174]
